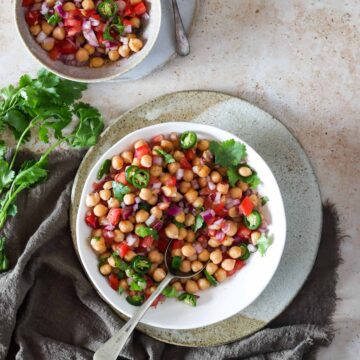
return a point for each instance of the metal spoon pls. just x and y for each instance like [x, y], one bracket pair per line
[182, 42]
[111, 349]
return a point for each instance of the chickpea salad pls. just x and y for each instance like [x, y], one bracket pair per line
[198, 193]
[87, 32]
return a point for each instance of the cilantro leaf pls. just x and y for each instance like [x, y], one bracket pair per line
[167, 157]
[228, 153]
[12, 210]
[264, 243]
[199, 223]
[6, 175]
[119, 263]
[144, 231]
[120, 190]
[170, 292]
[233, 176]
[30, 176]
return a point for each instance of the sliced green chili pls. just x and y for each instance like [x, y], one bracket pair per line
[141, 264]
[210, 278]
[141, 178]
[130, 172]
[188, 140]
[244, 251]
[253, 221]
[135, 300]
[107, 8]
[187, 298]
[104, 169]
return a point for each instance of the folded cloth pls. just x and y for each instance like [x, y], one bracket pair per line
[49, 309]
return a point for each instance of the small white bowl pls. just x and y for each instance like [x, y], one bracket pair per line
[85, 73]
[216, 303]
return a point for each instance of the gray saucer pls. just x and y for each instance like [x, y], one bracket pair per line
[296, 179]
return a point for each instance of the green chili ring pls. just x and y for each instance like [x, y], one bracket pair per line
[135, 300]
[210, 278]
[245, 251]
[130, 172]
[141, 178]
[188, 139]
[141, 264]
[253, 221]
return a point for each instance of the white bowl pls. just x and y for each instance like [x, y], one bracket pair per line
[85, 73]
[216, 303]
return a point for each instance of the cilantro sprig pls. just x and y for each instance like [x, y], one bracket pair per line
[44, 106]
[228, 153]
[264, 243]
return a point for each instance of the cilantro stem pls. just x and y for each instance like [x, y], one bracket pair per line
[11, 196]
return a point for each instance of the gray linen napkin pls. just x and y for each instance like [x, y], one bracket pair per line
[49, 310]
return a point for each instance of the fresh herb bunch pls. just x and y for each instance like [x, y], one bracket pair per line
[43, 106]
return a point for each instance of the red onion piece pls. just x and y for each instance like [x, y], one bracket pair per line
[174, 210]
[157, 160]
[207, 214]
[128, 29]
[156, 185]
[94, 22]
[127, 211]
[217, 198]
[121, 5]
[108, 234]
[198, 248]
[150, 220]
[211, 185]
[131, 239]
[41, 37]
[90, 36]
[179, 174]
[223, 248]
[145, 16]
[231, 203]
[36, 7]
[252, 248]
[44, 8]
[157, 225]
[59, 9]
[195, 184]
[220, 236]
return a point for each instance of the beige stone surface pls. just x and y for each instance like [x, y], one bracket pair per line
[298, 60]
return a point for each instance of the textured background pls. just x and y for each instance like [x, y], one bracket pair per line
[298, 60]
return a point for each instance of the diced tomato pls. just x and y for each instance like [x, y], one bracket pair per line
[190, 154]
[108, 236]
[100, 28]
[91, 220]
[157, 300]
[162, 244]
[208, 203]
[55, 53]
[74, 30]
[72, 22]
[72, 14]
[127, 22]
[177, 244]
[246, 206]
[68, 47]
[220, 210]
[171, 181]
[201, 239]
[33, 17]
[114, 281]
[211, 232]
[27, 2]
[114, 216]
[140, 8]
[99, 36]
[122, 249]
[153, 180]
[243, 232]
[147, 242]
[158, 138]
[90, 13]
[238, 265]
[128, 11]
[121, 178]
[141, 151]
[184, 164]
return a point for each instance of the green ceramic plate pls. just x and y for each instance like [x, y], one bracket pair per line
[295, 177]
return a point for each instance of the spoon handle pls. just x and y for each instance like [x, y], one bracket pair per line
[182, 42]
[111, 349]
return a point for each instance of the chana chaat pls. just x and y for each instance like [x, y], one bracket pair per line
[199, 194]
[87, 32]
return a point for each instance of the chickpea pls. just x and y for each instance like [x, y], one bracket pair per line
[204, 255]
[228, 264]
[203, 145]
[192, 258]
[189, 219]
[190, 236]
[215, 177]
[135, 22]
[98, 244]
[88, 5]
[235, 252]
[124, 51]
[191, 195]
[48, 44]
[146, 161]
[156, 212]
[255, 236]
[46, 28]
[89, 48]
[156, 170]
[188, 250]
[105, 194]
[105, 269]
[163, 206]
[191, 286]
[35, 29]
[145, 194]
[180, 217]
[176, 252]
[129, 199]
[228, 241]
[111, 261]
[141, 216]
[211, 268]
[96, 62]
[127, 156]
[119, 236]
[178, 155]
[167, 145]
[172, 231]
[216, 256]
[213, 242]
[69, 6]
[188, 175]
[96, 233]
[184, 187]
[159, 274]
[234, 212]
[126, 226]
[130, 255]
[204, 171]
[107, 185]
[236, 193]
[92, 199]
[177, 286]
[153, 200]
[136, 162]
[156, 257]
[199, 202]
[185, 266]
[174, 138]
[134, 2]
[113, 203]
[169, 191]
[182, 233]
[173, 167]
[222, 188]
[231, 228]
[254, 199]
[202, 182]
[177, 197]
[50, 3]
[123, 284]
[59, 33]
[220, 275]
[140, 143]
[117, 162]
[196, 266]
[203, 284]
[245, 171]
[100, 210]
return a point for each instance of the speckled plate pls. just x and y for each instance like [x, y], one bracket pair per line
[295, 177]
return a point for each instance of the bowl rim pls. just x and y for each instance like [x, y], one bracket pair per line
[17, 4]
[207, 129]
